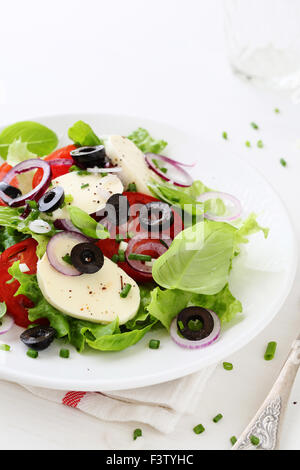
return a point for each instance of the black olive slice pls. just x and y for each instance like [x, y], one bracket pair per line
[117, 209]
[156, 216]
[10, 191]
[52, 200]
[193, 314]
[89, 157]
[87, 258]
[38, 337]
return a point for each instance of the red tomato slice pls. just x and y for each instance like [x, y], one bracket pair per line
[57, 170]
[110, 247]
[17, 307]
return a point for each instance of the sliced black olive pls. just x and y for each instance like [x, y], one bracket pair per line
[117, 208]
[9, 190]
[38, 337]
[52, 200]
[89, 157]
[197, 315]
[156, 216]
[87, 258]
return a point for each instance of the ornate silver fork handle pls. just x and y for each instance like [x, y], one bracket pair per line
[267, 423]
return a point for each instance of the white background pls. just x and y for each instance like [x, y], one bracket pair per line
[166, 60]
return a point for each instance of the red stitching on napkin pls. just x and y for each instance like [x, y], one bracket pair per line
[73, 398]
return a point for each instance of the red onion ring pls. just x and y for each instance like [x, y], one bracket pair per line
[174, 165]
[23, 167]
[57, 263]
[7, 323]
[237, 207]
[136, 245]
[203, 343]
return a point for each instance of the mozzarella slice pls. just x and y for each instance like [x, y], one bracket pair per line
[89, 192]
[124, 153]
[92, 297]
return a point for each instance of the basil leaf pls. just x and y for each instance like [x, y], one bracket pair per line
[3, 309]
[119, 341]
[39, 139]
[83, 135]
[86, 224]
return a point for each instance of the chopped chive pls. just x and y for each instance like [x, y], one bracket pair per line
[248, 143]
[225, 135]
[227, 365]
[67, 258]
[86, 185]
[32, 353]
[217, 418]
[115, 258]
[139, 257]
[260, 144]
[199, 429]
[254, 440]
[163, 243]
[283, 162]
[233, 440]
[276, 110]
[121, 254]
[154, 343]
[4, 347]
[254, 125]
[65, 353]
[137, 433]
[125, 291]
[119, 238]
[270, 351]
[132, 187]
[104, 174]
[74, 168]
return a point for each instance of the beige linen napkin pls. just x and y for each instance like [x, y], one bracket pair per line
[160, 406]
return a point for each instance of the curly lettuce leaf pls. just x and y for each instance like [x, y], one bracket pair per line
[18, 152]
[143, 140]
[83, 135]
[9, 237]
[166, 304]
[224, 304]
[249, 227]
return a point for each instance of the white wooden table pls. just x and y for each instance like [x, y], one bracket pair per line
[163, 60]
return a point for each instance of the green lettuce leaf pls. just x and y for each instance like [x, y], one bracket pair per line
[224, 304]
[86, 224]
[249, 227]
[39, 139]
[166, 304]
[142, 318]
[143, 140]
[83, 135]
[119, 341]
[198, 259]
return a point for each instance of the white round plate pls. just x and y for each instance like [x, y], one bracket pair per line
[262, 277]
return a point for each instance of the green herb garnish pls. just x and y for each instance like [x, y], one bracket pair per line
[260, 144]
[137, 433]
[217, 418]
[225, 135]
[139, 257]
[283, 162]
[270, 351]
[125, 291]
[132, 187]
[254, 440]
[64, 353]
[227, 365]
[32, 353]
[199, 429]
[233, 440]
[86, 185]
[67, 258]
[154, 343]
[254, 125]
[4, 347]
